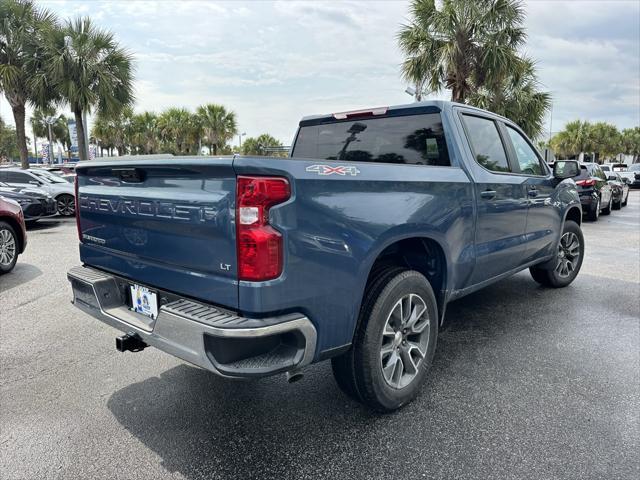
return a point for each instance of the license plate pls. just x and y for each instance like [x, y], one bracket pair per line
[144, 301]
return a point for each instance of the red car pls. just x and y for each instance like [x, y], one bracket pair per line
[13, 234]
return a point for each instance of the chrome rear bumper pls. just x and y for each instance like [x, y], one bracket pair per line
[207, 336]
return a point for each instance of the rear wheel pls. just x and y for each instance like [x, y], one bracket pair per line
[394, 343]
[607, 210]
[8, 248]
[617, 205]
[594, 212]
[568, 259]
[66, 205]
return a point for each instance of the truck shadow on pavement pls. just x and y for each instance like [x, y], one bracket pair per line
[495, 342]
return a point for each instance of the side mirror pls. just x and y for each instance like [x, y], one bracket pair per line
[34, 182]
[566, 169]
[612, 177]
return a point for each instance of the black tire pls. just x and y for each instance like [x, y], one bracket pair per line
[607, 210]
[554, 276]
[617, 205]
[9, 248]
[369, 381]
[342, 365]
[65, 205]
[594, 211]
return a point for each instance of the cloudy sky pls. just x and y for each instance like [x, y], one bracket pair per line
[273, 62]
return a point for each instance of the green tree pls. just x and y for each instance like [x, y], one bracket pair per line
[630, 142]
[218, 125]
[471, 48]
[462, 46]
[145, 136]
[22, 80]
[59, 129]
[256, 146]
[113, 131]
[605, 140]
[574, 139]
[518, 98]
[91, 71]
[176, 127]
[8, 142]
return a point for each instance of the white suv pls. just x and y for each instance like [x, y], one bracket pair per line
[62, 191]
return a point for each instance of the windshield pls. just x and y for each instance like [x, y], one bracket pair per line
[634, 168]
[48, 177]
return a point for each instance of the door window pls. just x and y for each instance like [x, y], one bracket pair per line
[18, 177]
[486, 144]
[528, 161]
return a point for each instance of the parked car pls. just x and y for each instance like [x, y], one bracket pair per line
[13, 234]
[620, 190]
[35, 203]
[61, 190]
[596, 195]
[350, 249]
[633, 174]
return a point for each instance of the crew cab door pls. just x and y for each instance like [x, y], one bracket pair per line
[544, 219]
[501, 200]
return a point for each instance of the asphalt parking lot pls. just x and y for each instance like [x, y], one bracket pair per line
[526, 383]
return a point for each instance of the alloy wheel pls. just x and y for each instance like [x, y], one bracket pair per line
[7, 247]
[405, 339]
[568, 254]
[66, 205]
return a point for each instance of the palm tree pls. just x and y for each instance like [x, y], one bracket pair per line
[112, 131]
[218, 125]
[630, 142]
[176, 128]
[256, 146]
[92, 71]
[59, 129]
[573, 140]
[22, 29]
[464, 45]
[517, 97]
[144, 133]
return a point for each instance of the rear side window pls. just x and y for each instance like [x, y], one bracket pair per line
[486, 143]
[17, 177]
[528, 160]
[409, 139]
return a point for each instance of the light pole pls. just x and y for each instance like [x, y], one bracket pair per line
[240, 135]
[50, 121]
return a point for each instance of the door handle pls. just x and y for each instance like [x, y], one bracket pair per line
[488, 194]
[533, 192]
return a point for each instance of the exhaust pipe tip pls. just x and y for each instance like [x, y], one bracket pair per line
[293, 377]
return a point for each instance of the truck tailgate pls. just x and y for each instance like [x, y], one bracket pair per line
[163, 223]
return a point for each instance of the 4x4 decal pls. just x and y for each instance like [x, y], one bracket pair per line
[329, 170]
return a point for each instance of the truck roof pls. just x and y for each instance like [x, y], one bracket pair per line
[426, 106]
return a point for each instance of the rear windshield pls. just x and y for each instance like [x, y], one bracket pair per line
[411, 139]
[584, 172]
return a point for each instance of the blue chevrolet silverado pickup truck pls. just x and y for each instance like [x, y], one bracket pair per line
[348, 250]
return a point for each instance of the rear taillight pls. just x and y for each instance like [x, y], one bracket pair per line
[77, 209]
[586, 183]
[259, 244]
